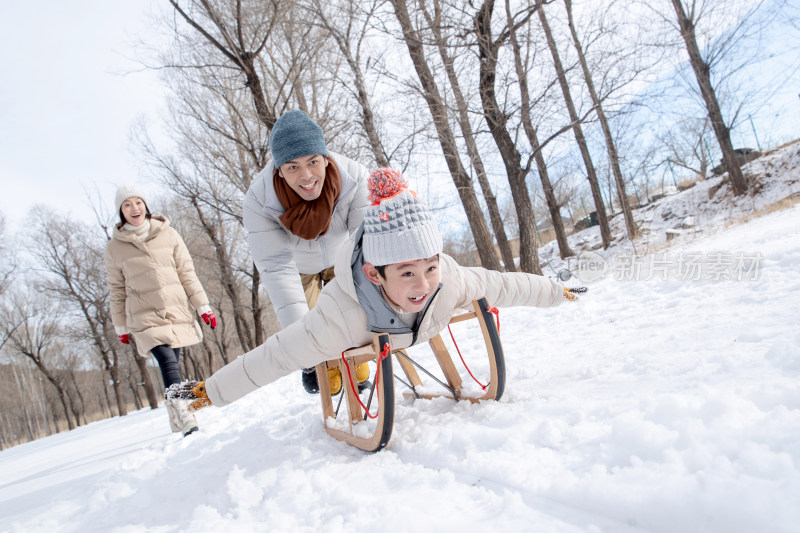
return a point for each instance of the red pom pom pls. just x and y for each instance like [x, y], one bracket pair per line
[385, 183]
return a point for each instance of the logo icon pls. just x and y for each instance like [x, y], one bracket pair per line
[591, 267]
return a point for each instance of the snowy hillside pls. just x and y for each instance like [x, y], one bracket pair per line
[655, 404]
[682, 216]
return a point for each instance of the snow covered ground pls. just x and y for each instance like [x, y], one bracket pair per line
[666, 400]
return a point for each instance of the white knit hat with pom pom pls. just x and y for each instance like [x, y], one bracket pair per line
[398, 227]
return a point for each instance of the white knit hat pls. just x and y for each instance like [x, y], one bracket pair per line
[128, 191]
[398, 227]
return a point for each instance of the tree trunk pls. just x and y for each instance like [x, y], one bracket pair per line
[62, 396]
[525, 111]
[108, 411]
[469, 139]
[703, 74]
[253, 82]
[528, 252]
[613, 157]
[23, 390]
[149, 388]
[137, 402]
[79, 408]
[228, 279]
[605, 231]
[480, 232]
[209, 356]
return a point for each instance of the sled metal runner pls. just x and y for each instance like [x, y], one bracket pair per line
[374, 436]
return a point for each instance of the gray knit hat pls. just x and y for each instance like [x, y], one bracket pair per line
[128, 191]
[294, 135]
[398, 227]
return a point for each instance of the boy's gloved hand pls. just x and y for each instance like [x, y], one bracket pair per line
[124, 339]
[210, 319]
[202, 400]
[571, 295]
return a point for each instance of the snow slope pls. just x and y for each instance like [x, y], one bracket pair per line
[652, 405]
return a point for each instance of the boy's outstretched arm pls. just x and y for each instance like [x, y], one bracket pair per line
[317, 337]
[509, 289]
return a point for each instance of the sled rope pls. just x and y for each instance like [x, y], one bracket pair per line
[496, 312]
[383, 355]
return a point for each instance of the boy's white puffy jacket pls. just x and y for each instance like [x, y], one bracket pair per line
[281, 256]
[338, 322]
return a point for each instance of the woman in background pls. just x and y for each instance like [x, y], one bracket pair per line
[154, 293]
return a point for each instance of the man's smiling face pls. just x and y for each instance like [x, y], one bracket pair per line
[305, 175]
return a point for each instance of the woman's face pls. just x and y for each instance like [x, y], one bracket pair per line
[134, 211]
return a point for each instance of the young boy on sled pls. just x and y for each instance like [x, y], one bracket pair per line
[391, 277]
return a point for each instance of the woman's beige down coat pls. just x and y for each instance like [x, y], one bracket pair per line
[339, 322]
[152, 284]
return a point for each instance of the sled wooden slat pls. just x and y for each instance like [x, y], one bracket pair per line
[324, 390]
[408, 368]
[384, 390]
[460, 318]
[372, 440]
[352, 404]
[446, 363]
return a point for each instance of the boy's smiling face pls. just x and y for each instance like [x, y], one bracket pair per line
[408, 285]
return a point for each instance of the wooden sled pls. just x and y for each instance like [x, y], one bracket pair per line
[374, 436]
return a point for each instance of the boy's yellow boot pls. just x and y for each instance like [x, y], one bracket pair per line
[362, 372]
[335, 380]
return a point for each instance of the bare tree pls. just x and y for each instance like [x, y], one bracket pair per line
[613, 157]
[22, 406]
[349, 35]
[9, 262]
[438, 110]
[218, 151]
[488, 53]
[437, 24]
[530, 131]
[36, 337]
[687, 146]
[240, 35]
[591, 174]
[686, 20]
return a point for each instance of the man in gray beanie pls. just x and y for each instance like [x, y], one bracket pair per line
[299, 210]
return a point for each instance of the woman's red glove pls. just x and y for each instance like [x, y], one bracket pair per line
[124, 339]
[210, 319]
